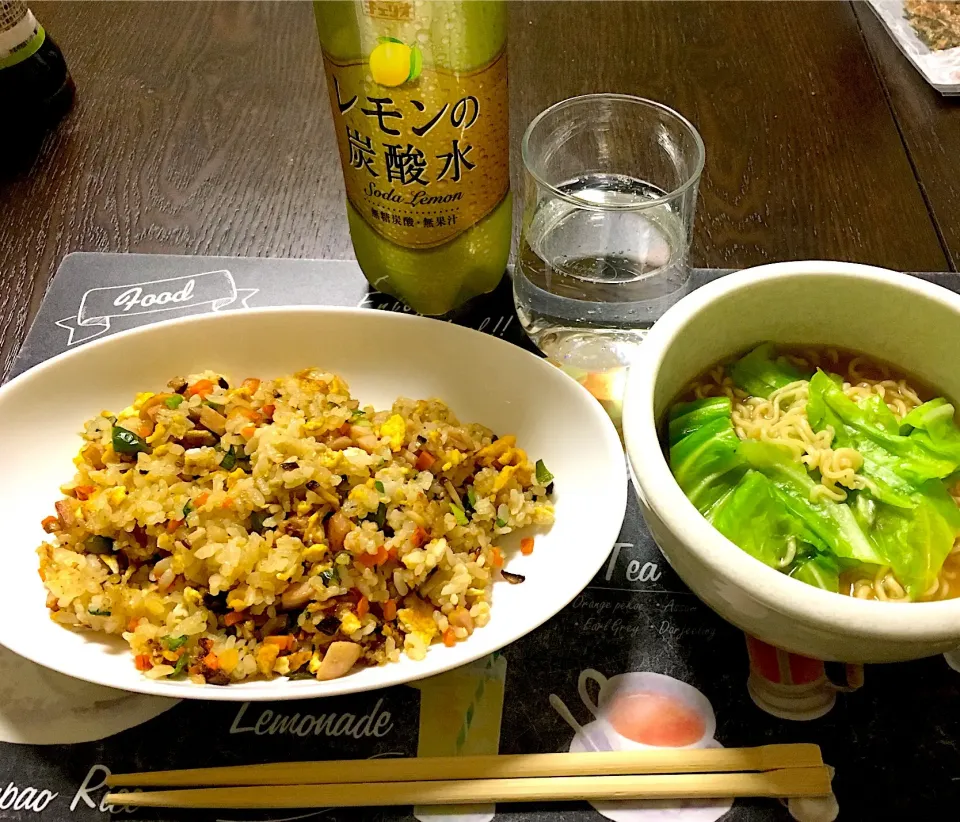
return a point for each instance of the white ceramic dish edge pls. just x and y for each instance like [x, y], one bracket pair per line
[439, 659]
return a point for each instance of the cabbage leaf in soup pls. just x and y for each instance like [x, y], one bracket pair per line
[766, 502]
[832, 522]
[915, 542]
[819, 570]
[755, 518]
[877, 413]
[761, 371]
[933, 426]
[706, 462]
[687, 417]
[894, 465]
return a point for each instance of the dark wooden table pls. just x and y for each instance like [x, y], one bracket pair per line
[204, 128]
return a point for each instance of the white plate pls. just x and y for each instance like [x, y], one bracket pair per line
[382, 356]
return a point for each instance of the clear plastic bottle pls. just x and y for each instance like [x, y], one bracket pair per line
[419, 96]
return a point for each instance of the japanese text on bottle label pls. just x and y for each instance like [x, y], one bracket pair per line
[424, 161]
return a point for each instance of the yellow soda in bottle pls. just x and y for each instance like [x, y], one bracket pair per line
[418, 90]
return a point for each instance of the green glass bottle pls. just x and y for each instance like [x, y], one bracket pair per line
[36, 89]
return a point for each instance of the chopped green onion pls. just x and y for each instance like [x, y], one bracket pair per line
[381, 515]
[173, 402]
[126, 442]
[459, 515]
[357, 413]
[293, 676]
[96, 612]
[471, 498]
[330, 575]
[379, 486]
[501, 523]
[187, 508]
[98, 545]
[181, 664]
[543, 475]
[172, 643]
[256, 520]
[229, 461]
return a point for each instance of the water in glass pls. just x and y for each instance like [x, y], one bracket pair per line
[589, 281]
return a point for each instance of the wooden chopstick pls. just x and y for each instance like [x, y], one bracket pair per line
[786, 782]
[422, 769]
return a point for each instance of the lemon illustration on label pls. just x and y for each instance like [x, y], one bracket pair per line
[393, 62]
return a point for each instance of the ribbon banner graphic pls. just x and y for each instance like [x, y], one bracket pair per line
[99, 306]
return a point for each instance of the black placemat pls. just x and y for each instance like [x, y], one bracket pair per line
[895, 742]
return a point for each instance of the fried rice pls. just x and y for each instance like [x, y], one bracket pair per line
[276, 528]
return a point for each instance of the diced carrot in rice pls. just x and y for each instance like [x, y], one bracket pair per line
[420, 536]
[285, 642]
[234, 617]
[424, 460]
[250, 414]
[84, 492]
[201, 388]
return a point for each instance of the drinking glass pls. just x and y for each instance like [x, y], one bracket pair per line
[610, 186]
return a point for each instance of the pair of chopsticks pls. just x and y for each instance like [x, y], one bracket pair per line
[767, 771]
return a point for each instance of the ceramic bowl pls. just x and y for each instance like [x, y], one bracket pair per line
[894, 317]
